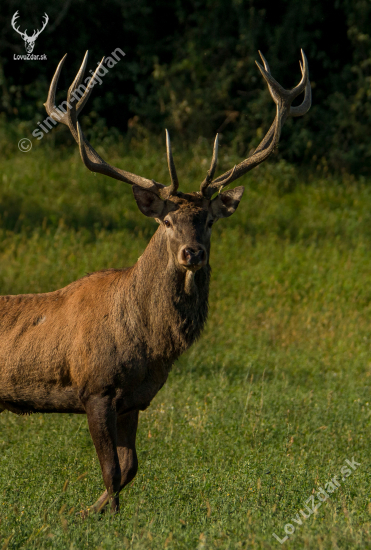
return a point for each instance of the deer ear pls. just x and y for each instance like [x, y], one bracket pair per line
[225, 204]
[149, 203]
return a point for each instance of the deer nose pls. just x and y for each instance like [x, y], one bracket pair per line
[193, 256]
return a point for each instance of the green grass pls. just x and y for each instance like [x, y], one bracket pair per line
[259, 414]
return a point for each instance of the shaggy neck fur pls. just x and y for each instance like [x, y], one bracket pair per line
[168, 304]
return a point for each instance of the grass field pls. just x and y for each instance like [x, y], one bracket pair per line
[257, 416]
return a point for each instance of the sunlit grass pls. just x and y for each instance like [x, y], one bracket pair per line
[262, 410]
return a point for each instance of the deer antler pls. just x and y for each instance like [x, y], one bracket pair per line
[14, 18]
[24, 34]
[88, 154]
[283, 99]
[45, 22]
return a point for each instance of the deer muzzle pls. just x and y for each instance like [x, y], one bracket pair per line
[193, 257]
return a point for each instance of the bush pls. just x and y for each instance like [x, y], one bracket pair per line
[190, 66]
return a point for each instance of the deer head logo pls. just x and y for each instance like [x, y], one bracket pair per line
[29, 41]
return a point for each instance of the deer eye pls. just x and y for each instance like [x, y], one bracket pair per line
[167, 223]
[210, 223]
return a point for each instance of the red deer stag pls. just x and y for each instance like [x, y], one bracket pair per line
[104, 345]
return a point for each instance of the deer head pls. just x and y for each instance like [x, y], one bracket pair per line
[185, 218]
[29, 40]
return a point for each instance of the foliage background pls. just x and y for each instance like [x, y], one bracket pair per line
[189, 66]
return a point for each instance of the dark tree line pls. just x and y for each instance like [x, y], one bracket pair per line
[189, 66]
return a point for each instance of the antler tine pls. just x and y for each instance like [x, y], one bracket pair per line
[266, 67]
[265, 62]
[300, 110]
[46, 21]
[171, 189]
[304, 76]
[88, 90]
[49, 105]
[71, 98]
[283, 99]
[78, 78]
[211, 171]
[227, 179]
[89, 156]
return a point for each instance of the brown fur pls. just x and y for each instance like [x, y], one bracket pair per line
[104, 345]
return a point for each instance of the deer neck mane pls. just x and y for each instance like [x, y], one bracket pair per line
[172, 300]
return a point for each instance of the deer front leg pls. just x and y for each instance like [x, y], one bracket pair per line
[126, 433]
[103, 430]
